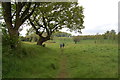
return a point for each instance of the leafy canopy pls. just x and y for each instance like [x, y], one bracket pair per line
[53, 16]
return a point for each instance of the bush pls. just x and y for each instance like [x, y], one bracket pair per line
[76, 39]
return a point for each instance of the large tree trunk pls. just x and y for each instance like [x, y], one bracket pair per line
[13, 33]
[14, 38]
[42, 40]
[20, 18]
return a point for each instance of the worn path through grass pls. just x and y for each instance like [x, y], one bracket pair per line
[63, 73]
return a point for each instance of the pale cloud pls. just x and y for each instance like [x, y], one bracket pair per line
[100, 15]
[119, 16]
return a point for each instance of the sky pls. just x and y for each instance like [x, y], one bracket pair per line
[100, 16]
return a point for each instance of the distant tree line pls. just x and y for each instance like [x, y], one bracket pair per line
[61, 34]
[32, 37]
[108, 35]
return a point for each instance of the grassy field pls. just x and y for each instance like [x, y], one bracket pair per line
[83, 60]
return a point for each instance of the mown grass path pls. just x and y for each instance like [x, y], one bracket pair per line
[63, 66]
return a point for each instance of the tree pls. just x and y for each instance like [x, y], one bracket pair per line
[61, 34]
[110, 35]
[15, 14]
[118, 38]
[76, 39]
[53, 16]
[113, 34]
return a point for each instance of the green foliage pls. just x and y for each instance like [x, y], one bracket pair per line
[76, 39]
[5, 36]
[53, 16]
[15, 14]
[61, 34]
[6, 39]
[110, 35]
[31, 38]
[62, 40]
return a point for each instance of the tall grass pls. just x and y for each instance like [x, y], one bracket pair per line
[30, 61]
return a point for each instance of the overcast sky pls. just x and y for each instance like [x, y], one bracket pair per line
[100, 16]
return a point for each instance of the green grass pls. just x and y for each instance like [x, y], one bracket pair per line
[84, 60]
[92, 61]
[34, 62]
[0, 60]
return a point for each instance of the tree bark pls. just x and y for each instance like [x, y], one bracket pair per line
[19, 20]
[13, 33]
[14, 38]
[42, 40]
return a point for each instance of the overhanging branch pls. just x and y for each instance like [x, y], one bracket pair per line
[27, 16]
[26, 11]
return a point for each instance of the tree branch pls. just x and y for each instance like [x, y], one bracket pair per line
[27, 16]
[42, 32]
[24, 16]
[54, 29]
[13, 14]
[7, 14]
[37, 21]
[31, 22]
[17, 20]
[37, 32]
[45, 25]
[26, 11]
